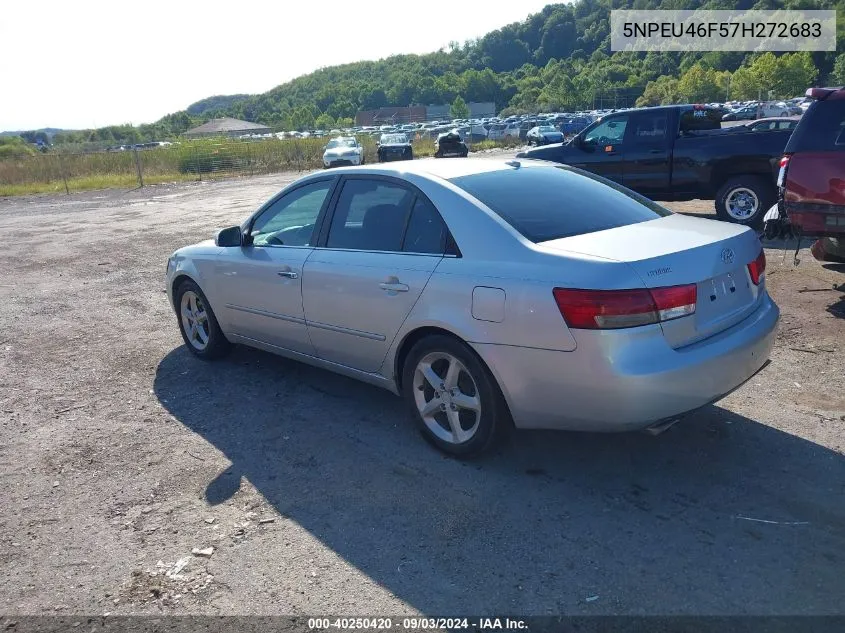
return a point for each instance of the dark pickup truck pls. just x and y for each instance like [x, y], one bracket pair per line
[674, 153]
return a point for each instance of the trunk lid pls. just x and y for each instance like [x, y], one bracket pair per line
[678, 250]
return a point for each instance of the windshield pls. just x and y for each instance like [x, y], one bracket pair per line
[393, 139]
[547, 128]
[548, 203]
[341, 142]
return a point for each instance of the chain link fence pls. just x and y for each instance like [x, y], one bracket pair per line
[201, 159]
[136, 167]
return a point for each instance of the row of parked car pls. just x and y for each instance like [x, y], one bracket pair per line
[751, 110]
[473, 130]
[347, 150]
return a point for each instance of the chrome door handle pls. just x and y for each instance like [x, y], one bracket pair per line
[288, 273]
[394, 287]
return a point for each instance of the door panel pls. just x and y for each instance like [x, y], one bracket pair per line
[601, 149]
[260, 282]
[383, 242]
[647, 154]
[356, 301]
[261, 303]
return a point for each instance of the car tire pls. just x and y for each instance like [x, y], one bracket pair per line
[438, 154]
[478, 429]
[744, 200]
[190, 299]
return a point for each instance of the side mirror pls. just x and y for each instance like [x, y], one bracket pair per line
[229, 237]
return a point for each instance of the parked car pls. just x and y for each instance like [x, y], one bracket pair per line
[488, 293]
[543, 135]
[450, 144]
[741, 114]
[512, 130]
[394, 147]
[680, 153]
[343, 150]
[573, 125]
[811, 181]
[771, 123]
[496, 131]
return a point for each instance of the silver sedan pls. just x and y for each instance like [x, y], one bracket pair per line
[489, 294]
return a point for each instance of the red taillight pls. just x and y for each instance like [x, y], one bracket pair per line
[784, 163]
[757, 268]
[611, 309]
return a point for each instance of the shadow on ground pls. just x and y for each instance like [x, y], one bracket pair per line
[719, 515]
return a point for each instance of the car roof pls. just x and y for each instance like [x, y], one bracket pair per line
[821, 94]
[445, 168]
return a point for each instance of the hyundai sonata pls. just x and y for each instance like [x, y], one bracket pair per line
[489, 294]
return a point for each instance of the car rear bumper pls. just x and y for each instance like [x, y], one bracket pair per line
[622, 380]
[386, 157]
[341, 162]
[818, 220]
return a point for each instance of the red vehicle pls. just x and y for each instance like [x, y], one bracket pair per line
[811, 181]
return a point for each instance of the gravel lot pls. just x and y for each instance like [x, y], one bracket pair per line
[120, 453]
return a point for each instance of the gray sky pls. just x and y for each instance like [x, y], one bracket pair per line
[91, 63]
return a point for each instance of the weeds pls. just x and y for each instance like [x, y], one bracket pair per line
[188, 160]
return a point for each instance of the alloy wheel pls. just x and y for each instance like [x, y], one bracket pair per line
[447, 397]
[194, 320]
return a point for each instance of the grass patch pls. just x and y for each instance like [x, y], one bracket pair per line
[189, 160]
[89, 183]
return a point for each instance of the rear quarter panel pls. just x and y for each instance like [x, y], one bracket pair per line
[701, 164]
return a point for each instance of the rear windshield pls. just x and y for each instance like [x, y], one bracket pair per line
[700, 119]
[548, 203]
[821, 129]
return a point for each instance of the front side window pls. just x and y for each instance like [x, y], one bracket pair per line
[290, 220]
[370, 215]
[610, 132]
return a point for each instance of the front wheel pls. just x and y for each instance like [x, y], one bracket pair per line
[744, 200]
[453, 397]
[197, 323]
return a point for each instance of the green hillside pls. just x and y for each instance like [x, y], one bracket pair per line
[557, 59]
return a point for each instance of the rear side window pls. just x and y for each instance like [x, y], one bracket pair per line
[647, 128]
[821, 129]
[370, 215]
[426, 232]
[548, 203]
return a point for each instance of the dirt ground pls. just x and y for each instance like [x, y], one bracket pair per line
[120, 453]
